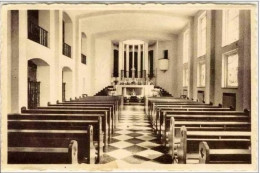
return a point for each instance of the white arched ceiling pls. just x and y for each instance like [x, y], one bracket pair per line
[121, 35]
[134, 24]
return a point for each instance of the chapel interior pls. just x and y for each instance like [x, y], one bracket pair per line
[136, 85]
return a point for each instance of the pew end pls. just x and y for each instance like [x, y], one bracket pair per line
[172, 139]
[247, 111]
[73, 152]
[182, 148]
[203, 153]
[92, 157]
[23, 108]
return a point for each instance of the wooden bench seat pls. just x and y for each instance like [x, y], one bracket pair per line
[190, 140]
[221, 155]
[159, 111]
[97, 104]
[101, 108]
[185, 103]
[77, 114]
[115, 106]
[50, 146]
[164, 122]
[26, 122]
[116, 99]
[152, 106]
[44, 155]
[203, 125]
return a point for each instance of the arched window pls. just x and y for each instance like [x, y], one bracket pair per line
[66, 83]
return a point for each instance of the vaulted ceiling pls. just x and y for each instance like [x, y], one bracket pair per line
[143, 22]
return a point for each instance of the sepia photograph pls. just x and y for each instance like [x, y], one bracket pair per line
[129, 86]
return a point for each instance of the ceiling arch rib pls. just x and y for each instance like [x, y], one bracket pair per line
[172, 13]
[119, 35]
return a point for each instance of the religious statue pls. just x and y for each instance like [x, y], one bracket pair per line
[133, 93]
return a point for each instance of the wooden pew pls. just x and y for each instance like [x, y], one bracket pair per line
[222, 155]
[169, 104]
[162, 100]
[114, 104]
[206, 115]
[117, 99]
[85, 107]
[43, 122]
[50, 146]
[201, 125]
[77, 114]
[159, 111]
[157, 107]
[190, 140]
[150, 100]
[115, 113]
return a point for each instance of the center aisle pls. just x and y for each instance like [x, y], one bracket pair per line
[134, 141]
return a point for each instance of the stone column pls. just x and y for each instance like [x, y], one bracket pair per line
[139, 60]
[146, 58]
[133, 61]
[120, 59]
[127, 61]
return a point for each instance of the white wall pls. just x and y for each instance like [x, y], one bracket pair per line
[44, 19]
[43, 75]
[103, 63]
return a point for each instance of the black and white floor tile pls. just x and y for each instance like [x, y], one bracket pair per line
[134, 142]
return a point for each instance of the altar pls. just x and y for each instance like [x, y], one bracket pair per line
[134, 90]
[143, 90]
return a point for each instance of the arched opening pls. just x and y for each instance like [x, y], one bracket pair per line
[83, 48]
[66, 35]
[38, 83]
[66, 83]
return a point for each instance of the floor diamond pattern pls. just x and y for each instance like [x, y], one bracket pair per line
[134, 142]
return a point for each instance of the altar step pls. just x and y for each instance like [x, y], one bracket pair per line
[164, 93]
[104, 91]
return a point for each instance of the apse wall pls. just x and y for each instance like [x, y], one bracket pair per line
[167, 79]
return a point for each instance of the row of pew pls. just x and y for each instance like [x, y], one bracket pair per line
[201, 133]
[71, 132]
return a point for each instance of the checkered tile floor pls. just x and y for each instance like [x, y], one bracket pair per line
[134, 141]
